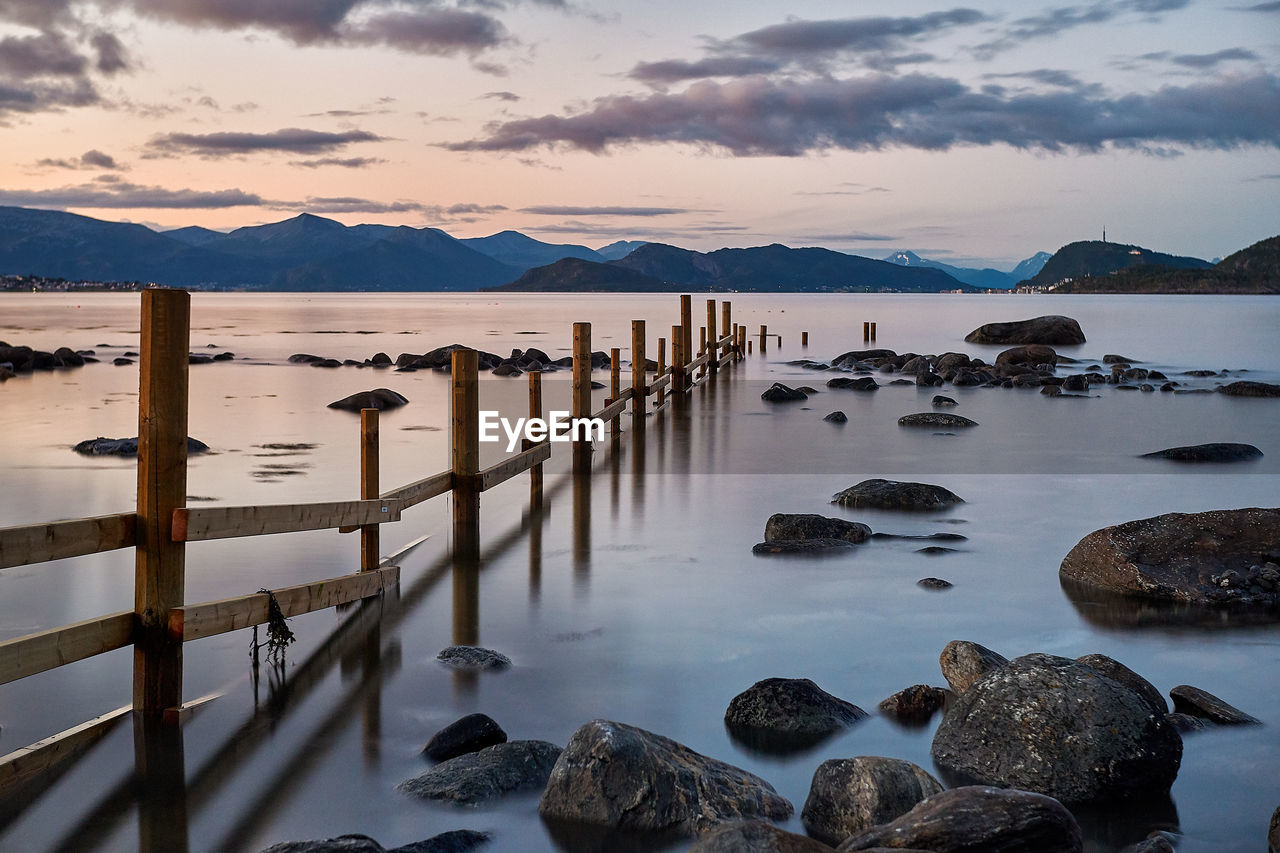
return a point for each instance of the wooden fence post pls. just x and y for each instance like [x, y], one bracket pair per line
[639, 385]
[160, 564]
[866, 331]
[662, 369]
[686, 337]
[702, 350]
[764, 339]
[465, 450]
[804, 339]
[615, 389]
[713, 360]
[726, 324]
[580, 402]
[873, 331]
[677, 368]
[370, 543]
[535, 411]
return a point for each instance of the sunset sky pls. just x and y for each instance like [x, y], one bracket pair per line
[971, 134]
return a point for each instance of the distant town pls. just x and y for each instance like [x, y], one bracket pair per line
[43, 284]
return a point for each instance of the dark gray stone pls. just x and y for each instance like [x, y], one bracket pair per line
[934, 583]
[1031, 354]
[471, 733]
[472, 657]
[1058, 727]
[779, 393]
[963, 663]
[378, 398]
[755, 836]
[785, 527]
[928, 379]
[1156, 842]
[1214, 452]
[1250, 389]
[1075, 382]
[786, 714]
[615, 775]
[126, 447]
[936, 419]
[1185, 723]
[848, 383]
[1051, 330]
[1200, 703]
[803, 547]
[836, 418]
[456, 841]
[848, 795]
[1273, 834]
[1116, 671]
[891, 494]
[940, 400]
[916, 705]
[519, 765]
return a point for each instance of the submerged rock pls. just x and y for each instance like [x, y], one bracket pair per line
[779, 393]
[977, 818]
[378, 398]
[1250, 389]
[891, 494]
[934, 583]
[615, 775]
[836, 418]
[936, 419]
[1050, 330]
[963, 663]
[1200, 703]
[848, 795]
[472, 657]
[1214, 452]
[126, 446]
[783, 527]
[802, 547]
[755, 836]
[1058, 727]
[476, 777]
[785, 714]
[1216, 557]
[471, 733]
[916, 704]
[861, 383]
[1031, 354]
[940, 401]
[456, 841]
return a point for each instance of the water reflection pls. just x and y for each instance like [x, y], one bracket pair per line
[581, 532]
[1111, 610]
[160, 778]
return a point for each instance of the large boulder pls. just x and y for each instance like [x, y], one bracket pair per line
[977, 819]
[755, 836]
[784, 714]
[615, 775]
[1051, 330]
[1214, 452]
[378, 398]
[891, 494]
[848, 795]
[1058, 727]
[1116, 671]
[1250, 389]
[964, 662]
[1031, 354]
[783, 527]
[477, 777]
[941, 420]
[471, 733]
[1216, 557]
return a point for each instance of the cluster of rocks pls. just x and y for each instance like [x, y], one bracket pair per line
[24, 359]
[441, 358]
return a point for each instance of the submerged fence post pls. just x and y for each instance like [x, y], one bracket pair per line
[866, 331]
[678, 375]
[764, 339]
[726, 324]
[873, 331]
[535, 412]
[580, 402]
[615, 389]
[702, 350]
[370, 543]
[804, 339]
[160, 562]
[639, 365]
[662, 369]
[465, 451]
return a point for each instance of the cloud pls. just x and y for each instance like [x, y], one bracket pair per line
[1053, 22]
[571, 210]
[1273, 176]
[1209, 60]
[344, 162]
[1045, 76]
[1273, 6]
[850, 188]
[500, 96]
[119, 194]
[669, 71]
[91, 159]
[850, 236]
[347, 204]
[758, 116]
[112, 56]
[48, 54]
[434, 31]
[293, 140]
[39, 96]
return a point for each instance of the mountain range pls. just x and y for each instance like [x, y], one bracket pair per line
[1255, 269]
[988, 279]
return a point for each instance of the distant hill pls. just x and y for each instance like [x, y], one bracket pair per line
[1252, 270]
[774, 268]
[619, 249]
[1029, 267]
[194, 235]
[578, 276]
[519, 250]
[1095, 258]
[984, 278]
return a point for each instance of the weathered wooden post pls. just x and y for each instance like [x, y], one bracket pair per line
[804, 339]
[160, 562]
[873, 331]
[535, 411]
[369, 534]
[465, 453]
[639, 385]
[866, 331]
[726, 323]
[713, 360]
[580, 401]
[702, 350]
[615, 390]
[677, 365]
[686, 333]
[662, 369]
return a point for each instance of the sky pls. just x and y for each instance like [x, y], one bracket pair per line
[974, 134]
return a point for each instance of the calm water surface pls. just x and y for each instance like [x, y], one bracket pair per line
[634, 596]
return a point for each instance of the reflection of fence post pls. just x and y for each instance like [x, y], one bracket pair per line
[580, 402]
[369, 538]
[160, 564]
[466, 450]
[702, 350]
[535, 411]
[639, 364]
[615, 389]
[662, 369]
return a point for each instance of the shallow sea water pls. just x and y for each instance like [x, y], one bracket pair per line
[633, 596]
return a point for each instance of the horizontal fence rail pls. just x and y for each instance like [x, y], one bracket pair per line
[44, 650]
[228, 522]
[56, 540]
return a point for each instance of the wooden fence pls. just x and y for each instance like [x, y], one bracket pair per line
[162, 621]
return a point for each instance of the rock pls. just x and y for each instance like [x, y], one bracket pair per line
[779, 393]
[1273, 834]
[801, 547]
[473, 657]
[1215, 452]
[891, 494]
[456, 841]
[1116, 671]
[950, 362]
[936, 419]
[1031, 354]
[1052, 390]
[836, 418]
[477, 777]
[755, 836]
[378, 398]
[786, 714]
[1075, 382]
[507, 369]
[1198, 558]
[1250, 389]
[1185, 723]
[935, 550]
[916, 704]
[940, 400]
[934, 583]
[808, 390]
[849, 358]
[963, 663]
[848, 795]
[471, 733]
[1112, 358]
[615, 775]
[1058, 727]
[782, 527]
[67, 357]
[861, 383]
[1156, 842]
[1052, 330]
[381, 359]
[977, 819]
[934, 537]
[127, 446]
[928, 379]
[1199, 703]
